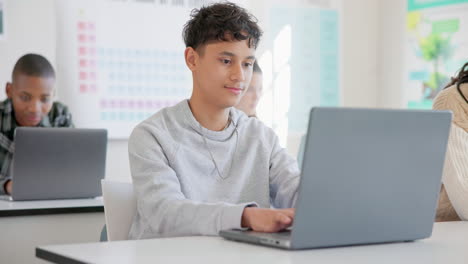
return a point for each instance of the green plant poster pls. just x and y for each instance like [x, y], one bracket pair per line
[437, 46]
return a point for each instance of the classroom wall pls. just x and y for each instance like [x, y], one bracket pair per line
[391, 48]
[29, 27]
[359, 29]
[371, 70]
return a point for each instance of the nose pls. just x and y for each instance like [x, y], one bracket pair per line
[238, 73]
[34, 106]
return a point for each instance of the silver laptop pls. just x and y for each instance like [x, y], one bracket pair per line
[58, 163]
[368, 176]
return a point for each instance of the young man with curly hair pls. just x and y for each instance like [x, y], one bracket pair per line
[202, 166]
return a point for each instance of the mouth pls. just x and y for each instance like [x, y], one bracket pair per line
[33, 118]
[234, 90]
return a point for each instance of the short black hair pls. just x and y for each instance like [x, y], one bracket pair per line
[256, 68]
[214, 21]
[33, 65]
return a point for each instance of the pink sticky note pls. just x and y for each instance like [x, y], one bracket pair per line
[83, 88]
[83, 63]
[83, 76]
[82, 38]
[81, 25]
[82, 51]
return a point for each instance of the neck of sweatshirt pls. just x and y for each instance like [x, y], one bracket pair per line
[222, 135]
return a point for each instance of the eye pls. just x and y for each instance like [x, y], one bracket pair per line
[45, 100]
[226, 61]
[248, 64]
[24, 97]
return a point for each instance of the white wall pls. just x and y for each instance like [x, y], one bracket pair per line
[360, 52]
[391, 50]
[372, 55]
[29, 27]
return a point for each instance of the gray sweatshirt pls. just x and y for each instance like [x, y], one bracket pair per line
[189, 180]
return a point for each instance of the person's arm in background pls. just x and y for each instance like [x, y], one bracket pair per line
[7, 185]
[6, 149]
[446, 100]
[455, 177]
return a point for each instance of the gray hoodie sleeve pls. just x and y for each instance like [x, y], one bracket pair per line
[162, 208]
[284, 177]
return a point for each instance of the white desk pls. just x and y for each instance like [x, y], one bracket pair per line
[26, 224]
[448, 244]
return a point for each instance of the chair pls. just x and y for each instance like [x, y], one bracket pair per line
[119, 208]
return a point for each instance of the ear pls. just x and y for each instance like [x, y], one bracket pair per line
[8, 89]
[191, 58]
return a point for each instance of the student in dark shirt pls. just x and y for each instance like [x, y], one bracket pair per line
[30, 104]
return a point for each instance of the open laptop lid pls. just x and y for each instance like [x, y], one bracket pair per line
[58, 163]
[369, 176]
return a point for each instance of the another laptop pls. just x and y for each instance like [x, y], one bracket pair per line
[58, 163]
[368, 176]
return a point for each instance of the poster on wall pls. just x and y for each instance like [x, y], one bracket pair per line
[2, 20]
[120, 62]
[437, 47]
[305, 60]
[300, 60]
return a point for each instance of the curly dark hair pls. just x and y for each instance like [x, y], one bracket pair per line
[215, 21]
[462, 77]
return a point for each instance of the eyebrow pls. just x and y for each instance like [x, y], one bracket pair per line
[230, 54]
[42, 95]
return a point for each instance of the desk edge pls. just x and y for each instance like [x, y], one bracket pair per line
[55, 258]
[47, 211]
